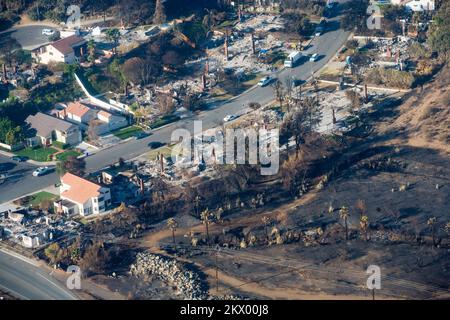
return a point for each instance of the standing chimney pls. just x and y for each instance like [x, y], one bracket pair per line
[366, 96]
[226, 47]
[203, 82]
[161, 158]
[141, 185]
[334, 115]
[5, 76]
[253, 44]
[207, 67]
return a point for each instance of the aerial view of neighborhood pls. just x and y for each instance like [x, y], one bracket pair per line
[245, 150]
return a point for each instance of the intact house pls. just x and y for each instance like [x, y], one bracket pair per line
[85, 116]
[48, 129]
[416, 5]
[420, 5]
[77, 112]
[68, 50]
[80, 196]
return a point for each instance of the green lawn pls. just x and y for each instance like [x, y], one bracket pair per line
[128, 132]
[69, 153]
[38, 154]
[36, 199]
[164, 120]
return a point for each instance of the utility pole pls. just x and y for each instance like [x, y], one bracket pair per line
[217, 270]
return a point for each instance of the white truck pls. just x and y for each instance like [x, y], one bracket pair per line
[292, 59]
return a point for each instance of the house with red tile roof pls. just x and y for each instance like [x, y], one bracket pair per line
[81, 196]
[78, 112]
[67, 50]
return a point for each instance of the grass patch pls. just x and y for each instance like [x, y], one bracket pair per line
[36, 199]
[60, 145]
[164, 120]
[66, 154]
[127, 132]
[37, 154]
[166, 151]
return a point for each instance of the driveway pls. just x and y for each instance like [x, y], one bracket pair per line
[29, 37]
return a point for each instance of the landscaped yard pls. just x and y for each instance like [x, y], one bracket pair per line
[69, 153]
[128, 132]
[36, 199]
[37, 154]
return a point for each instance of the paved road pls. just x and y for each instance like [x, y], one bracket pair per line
[20, 180]
[29, 37]
[27, 281]
[326, 46]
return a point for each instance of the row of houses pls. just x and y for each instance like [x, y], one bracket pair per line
[67, 122]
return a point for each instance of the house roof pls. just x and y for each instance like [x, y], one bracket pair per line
[81, 190]
[65, 46]
[45, 124]
[104, 114]
[77, 109]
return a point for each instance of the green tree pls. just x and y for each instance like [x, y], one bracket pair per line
[91, 49]
[113, 35]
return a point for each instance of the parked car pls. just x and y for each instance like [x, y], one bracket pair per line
[41, 171]
[48, 32]
[314, 57]
[265, 81]
[155, 144]
[19, 158]
[229, 118]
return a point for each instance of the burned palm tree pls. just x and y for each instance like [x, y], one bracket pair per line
[173, 225]
[266, 221]
[344, 214]
[206, 217]
[364, 225]
[432, 222]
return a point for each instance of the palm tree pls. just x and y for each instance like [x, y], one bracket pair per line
[91, 49]
[113, 35]
[364, 225]
[344, 214]
[266, 221]
[197, 200]
[173, 225]
[432, 223]
[206, 217]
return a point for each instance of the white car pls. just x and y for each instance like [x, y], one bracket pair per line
[229, 118]
[48, 32]
[41, 171]
[314, 57]
[264, 81]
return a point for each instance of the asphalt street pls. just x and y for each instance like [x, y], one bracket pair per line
[19, 179]
[27, 281]
[29, 37]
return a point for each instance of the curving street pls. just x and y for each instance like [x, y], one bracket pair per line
[27, 281]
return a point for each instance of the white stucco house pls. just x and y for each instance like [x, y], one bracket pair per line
[67, 50]
[80, 196]
[421, 5]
